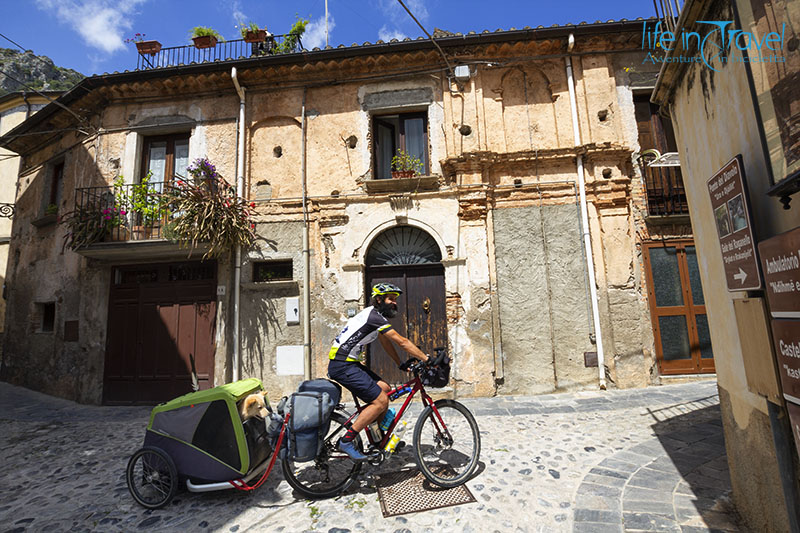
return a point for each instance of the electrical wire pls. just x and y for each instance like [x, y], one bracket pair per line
[449, 68]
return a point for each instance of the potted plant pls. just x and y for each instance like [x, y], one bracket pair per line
[205, 37]
[208, 210]
[292, 38]
[404, 165]
[143, 46]
[51, 209]
[251, 33]
[145, 201]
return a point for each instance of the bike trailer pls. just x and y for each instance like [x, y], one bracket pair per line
[203, 433]
[310, 407]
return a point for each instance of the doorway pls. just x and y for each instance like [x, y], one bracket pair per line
[677, 308]
[158, 315]
[409, 258]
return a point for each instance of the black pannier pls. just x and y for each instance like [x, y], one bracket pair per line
[437, 374]
[310, 409]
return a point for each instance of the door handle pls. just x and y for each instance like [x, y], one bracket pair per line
[426, 305]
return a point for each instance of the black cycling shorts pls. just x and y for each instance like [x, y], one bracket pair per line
[356, 378]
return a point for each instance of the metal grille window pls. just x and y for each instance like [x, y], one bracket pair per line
[264, 271]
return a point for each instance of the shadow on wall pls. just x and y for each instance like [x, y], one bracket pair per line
[691, 434]
[261, 321]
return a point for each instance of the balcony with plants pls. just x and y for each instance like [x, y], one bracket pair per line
[198, 212]
[209, 46]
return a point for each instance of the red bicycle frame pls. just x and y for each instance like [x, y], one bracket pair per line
[416, 385]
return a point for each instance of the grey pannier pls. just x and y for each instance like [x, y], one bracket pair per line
[311, 409]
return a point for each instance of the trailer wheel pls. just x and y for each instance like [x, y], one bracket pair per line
[152, 477]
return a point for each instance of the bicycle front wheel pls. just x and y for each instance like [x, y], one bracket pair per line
[447, 443]
[330, 473]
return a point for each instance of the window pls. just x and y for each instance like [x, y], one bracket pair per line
[663, 185]
[272, 271]
[405, 131]
[54, 179]
[165, 156]
[47, 312]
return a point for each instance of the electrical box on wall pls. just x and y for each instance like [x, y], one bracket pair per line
[289, 361]
[292, 310]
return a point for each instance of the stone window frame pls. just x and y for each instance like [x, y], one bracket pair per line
[400, 136]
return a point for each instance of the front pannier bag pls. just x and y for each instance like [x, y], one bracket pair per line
[311, 409]
[437, 375]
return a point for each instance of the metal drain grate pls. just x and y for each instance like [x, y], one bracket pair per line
[407, 491]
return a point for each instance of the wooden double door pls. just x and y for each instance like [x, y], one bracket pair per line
[158, 315]
[677, 308]
[421, 312]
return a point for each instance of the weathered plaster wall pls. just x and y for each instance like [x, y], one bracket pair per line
[702, 110]
[543, 299]
[39, 273]
[263, 307]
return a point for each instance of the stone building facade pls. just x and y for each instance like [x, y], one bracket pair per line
[758, 407]
[14, 109]
[487, 241]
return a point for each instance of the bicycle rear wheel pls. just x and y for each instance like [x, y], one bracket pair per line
[330, 474]
[447, 446]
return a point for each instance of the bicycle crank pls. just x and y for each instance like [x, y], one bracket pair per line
[376, 457]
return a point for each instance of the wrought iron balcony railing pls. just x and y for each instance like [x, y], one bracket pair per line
[664, 188]
[131, 212]
[223, 51]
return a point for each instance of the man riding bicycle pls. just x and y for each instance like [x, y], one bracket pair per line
[347, 353]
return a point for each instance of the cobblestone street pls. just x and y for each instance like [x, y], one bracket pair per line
[646, 459]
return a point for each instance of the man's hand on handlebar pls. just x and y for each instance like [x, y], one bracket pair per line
[412, 363]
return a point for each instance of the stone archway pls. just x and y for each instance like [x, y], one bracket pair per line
[411, 259]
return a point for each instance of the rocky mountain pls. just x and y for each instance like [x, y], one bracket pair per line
[38, 72]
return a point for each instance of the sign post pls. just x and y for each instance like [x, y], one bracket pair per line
[732, 217]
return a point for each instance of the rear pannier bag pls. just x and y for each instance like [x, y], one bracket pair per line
[309, 422]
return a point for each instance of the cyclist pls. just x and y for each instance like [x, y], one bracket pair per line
[347, 353]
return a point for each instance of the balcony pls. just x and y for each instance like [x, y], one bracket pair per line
[223, 51]
[128, 221]
[664, 190]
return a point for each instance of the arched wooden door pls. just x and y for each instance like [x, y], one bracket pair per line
[411, 259]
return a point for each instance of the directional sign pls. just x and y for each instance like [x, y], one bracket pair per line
[780, 263]
[732, 218]
[786, 340]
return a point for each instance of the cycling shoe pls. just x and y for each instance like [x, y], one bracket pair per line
[351, 450]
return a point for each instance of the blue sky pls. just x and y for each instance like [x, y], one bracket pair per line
[89, 35]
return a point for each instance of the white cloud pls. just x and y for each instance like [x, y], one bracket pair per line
[385, 34]
[101, 23]
[238, 16]
[398, 15]
[315, 32]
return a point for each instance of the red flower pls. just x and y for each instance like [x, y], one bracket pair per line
[253, 205]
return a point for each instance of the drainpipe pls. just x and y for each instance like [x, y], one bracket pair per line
[306, 251]
[237, 261]
[587, 243]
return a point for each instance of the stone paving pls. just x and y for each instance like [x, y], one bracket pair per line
[633, 460]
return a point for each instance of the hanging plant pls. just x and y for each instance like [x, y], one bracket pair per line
[92, 223]
[207, 210]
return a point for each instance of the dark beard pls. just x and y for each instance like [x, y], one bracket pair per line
[387, 310]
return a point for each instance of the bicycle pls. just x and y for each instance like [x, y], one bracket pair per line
[446, 443]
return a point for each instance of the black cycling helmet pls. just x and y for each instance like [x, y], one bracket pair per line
[382, 289]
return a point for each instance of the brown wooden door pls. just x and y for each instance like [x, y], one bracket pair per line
[677, 308]
[421, 312]
[158, 315]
